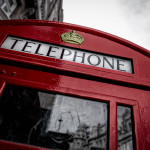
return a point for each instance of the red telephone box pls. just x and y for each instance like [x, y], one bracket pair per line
[68, 87]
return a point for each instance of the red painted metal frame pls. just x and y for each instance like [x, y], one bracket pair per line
[79, 80]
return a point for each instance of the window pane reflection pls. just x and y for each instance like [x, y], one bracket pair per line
[52, 120]
[125, 130]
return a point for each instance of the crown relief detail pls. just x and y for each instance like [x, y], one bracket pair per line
[72, 37]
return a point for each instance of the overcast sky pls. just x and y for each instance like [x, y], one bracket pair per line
[129, 19]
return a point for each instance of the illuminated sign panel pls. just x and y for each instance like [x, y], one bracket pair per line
[68, 54]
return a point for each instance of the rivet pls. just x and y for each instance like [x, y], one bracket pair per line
[13, 73]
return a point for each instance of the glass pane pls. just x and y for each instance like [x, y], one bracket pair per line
[125, 128]
[52, 120]
[5, 9]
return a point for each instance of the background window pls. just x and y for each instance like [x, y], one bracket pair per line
[125, 128]
[52, 120]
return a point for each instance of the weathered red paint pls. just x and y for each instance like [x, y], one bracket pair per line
[80, 80]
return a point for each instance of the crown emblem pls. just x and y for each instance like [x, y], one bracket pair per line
[72, 37]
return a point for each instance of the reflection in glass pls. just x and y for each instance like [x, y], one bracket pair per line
[52, 121]
[125, 130]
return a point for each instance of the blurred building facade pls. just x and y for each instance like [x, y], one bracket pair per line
[31, 9]
[96, 139]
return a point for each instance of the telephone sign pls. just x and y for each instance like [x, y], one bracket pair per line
[68, 54]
